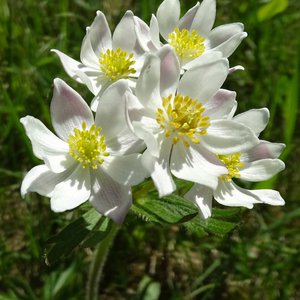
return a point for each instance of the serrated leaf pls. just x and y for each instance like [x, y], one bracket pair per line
[74, 234]
[172, 209]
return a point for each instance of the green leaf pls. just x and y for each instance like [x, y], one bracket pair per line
[271, 9]
[172, 209]
[89, 229]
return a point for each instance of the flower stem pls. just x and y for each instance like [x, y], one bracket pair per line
[98, 262]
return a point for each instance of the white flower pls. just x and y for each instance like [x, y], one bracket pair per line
[180, 120]
[256, 164]
[192, 35]
[88, 159]
[105, 58]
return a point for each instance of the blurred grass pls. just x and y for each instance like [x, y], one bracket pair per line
[258, 261]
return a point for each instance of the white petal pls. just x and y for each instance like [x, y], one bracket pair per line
[236, 68]
[220, 105]
[169, 71]
[112, 117]
[46, 145]
[73, 191]
[148, 84]
[168, 16]
[205, 17]
[154, 32]
[109, 197]
[203, 81]
[147, 129]
[229, 194]
[261, 170]
[205, 58]
[186, 21]
[196, 164]
[255, 119]
[96, 41]
[68, 110]
[222, 33]
[270, 197]
[227, 137]
[124, 36]
[144, 35]
[229, 46]
[159, 169]
[263, 150]
[41, 180]
[70, 65]
[202, 196]
[126, 170]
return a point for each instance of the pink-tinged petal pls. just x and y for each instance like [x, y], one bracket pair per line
[220, 105]
[261, 170]
[263, 150]
[169, 71]
[222, 33]
[186, 21]
[148, 84]
[126, 169]
[70, 65]
[41, 180]
[203, 81]
[68, 110]
[109, 197]
[168, 16]
[255, 119]
[73, 191]
[154, 33]
[96, 41]
[196, 164]
[229, 46]
[205, 17]
[46, 145]
[159, 168]
[202, 197]
[227, 137]
[124, 36]
[229, 194]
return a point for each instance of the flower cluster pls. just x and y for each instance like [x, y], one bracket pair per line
[160, 112]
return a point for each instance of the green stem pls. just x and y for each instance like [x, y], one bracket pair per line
[98, 262]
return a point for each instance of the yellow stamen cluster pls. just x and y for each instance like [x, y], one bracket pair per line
[187, 44]
[232, 163]
[182, 119]
[87, 146]
[116, 64]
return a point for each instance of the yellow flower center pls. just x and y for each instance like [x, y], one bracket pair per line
[187, 44]
[87, 146]
[232, 163]
[182, 119]
[116, 64]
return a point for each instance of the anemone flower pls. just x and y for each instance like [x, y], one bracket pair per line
[89, 159]
[256, 164]
[106, 59]
[180, 120]
[192, 35]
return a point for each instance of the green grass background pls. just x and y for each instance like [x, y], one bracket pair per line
[259, 260]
